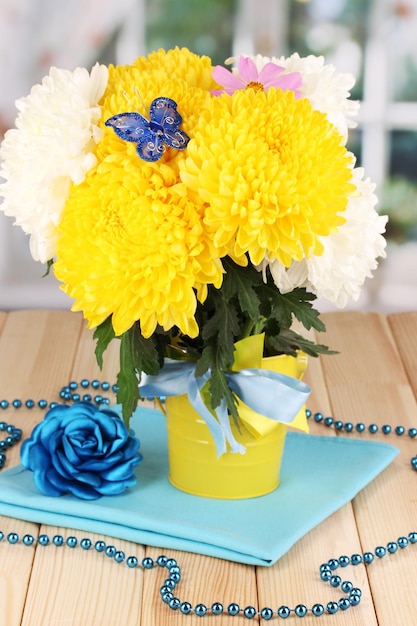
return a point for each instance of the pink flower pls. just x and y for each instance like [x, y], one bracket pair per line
[248, 77]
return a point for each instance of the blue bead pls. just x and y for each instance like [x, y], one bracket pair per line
[412, 537]
[308, 413]
[338, 424]
[164, 589]
[3, 426]
[85, 383]
[29, 404]
[344, 604]
[344, 561]
[200, 610]
[346, 586]
[174, 604]
[348, 427]
[105, 385]
[217, 608]
[2, 459]
[284, 612]
[399, 430]
[300, 610]
[174, 569]
[373, 428]
[132, 561]
[412, 432]
[356, 591]
[249, 612]
[95, 384]
[332, 607]
[354, 599]
[42, 404]
[1, 535]
[368, 557]
[266, 613]
[170, 583]
[115, 388]
[53, 405]
[110, 551]
[333, 564]
[43, 540]
[86, 543]
[167, 597]
[386, 429]
[98, 399]
[12, 537]
[360, 427]
[161, 560]
[317, 609]
[402, 542]
[17, 434]
[414, 462]
[100, 546]
[71, 542]
[147, 562]
[392, 547]
[335, 581]
[58, 540]
[328, 421]
[17, 403]
[28, 540]
[318, 417]
[326, 575]
[87, 397]
[185, 607]
[380, 551]
[170, 563]
[120, 556]
[233, 609]
[4, 404]
[356, 559]
[324, 567]
[175, 577]
[76, 397]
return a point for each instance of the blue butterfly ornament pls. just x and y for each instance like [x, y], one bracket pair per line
[163, 127]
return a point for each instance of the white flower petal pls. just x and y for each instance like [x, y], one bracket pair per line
[51, 147]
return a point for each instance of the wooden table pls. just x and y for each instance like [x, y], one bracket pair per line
[373, 379]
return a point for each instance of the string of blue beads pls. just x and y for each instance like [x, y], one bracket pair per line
[360, 427]
[327, 570]
[71, 393]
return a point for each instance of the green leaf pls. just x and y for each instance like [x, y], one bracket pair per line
[288, 342]
[49, 264]
[104, 334]
[128, 394]
[296, 303]
[241, 282]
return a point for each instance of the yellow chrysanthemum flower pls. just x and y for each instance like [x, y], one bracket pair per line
[131, 243]
[274, 175]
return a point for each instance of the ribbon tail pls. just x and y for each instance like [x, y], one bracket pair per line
[219, 428]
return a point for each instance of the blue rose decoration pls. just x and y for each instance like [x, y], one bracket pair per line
[82, 450]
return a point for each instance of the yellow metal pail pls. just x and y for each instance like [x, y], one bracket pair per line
[193, 464]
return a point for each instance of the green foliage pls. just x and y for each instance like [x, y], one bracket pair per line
[247, 303]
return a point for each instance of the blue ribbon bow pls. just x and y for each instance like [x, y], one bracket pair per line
[273, 395]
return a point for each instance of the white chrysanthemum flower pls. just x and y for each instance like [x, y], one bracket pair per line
[349, 256]
[51, 148]
[327, 89]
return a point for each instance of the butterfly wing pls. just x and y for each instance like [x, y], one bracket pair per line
[163, 111]
[129, 126]
[150, 147]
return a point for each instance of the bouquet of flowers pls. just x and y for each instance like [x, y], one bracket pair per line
[184, 207]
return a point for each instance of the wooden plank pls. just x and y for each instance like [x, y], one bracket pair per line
[79, 587]
[403, 327]
[367, 382]
[103, 593]
[37, 349]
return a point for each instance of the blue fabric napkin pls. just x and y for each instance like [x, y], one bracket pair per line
[318, 476]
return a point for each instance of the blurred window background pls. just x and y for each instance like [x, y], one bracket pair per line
[376, 40]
